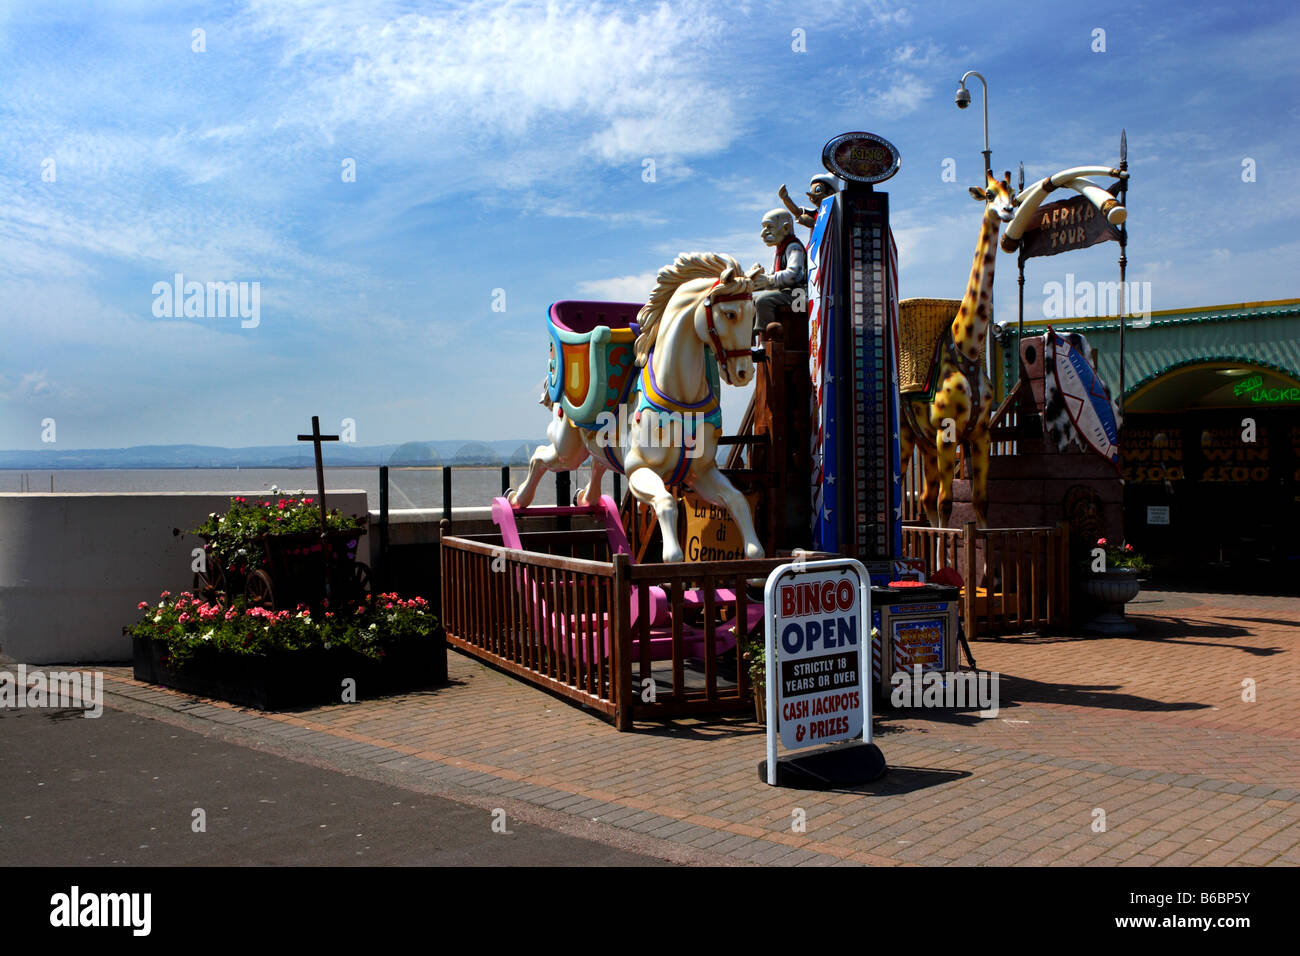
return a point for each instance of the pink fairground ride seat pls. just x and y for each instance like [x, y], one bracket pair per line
[660, 624]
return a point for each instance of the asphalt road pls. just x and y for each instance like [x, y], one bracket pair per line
[122, 789]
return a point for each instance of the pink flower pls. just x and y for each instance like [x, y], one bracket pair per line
[1101, 541]
[142, 605]
[165, 595]
[1128, 547]
[183, 618]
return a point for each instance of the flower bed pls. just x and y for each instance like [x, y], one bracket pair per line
[277, 659]
[238, 538]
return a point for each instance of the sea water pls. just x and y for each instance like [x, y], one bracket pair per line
[471, 486]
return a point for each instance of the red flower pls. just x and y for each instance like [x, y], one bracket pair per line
[142, 605]
[1101, 541]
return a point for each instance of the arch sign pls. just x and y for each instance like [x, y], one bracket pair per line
[818, 617]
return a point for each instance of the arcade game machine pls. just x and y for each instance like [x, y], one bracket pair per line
[853, 362]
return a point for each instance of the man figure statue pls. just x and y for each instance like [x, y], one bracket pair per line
[819, 187]
[789, 272]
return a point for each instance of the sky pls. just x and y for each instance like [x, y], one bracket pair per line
[384, 174]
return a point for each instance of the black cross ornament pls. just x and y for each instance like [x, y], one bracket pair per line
[316, 438]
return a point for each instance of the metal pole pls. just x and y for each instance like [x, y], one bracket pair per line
[1123, 262]
[505, 479]
[1020, 266]
[1020, 324]
[618, 489]
[988, 153]
[382, 570]
[446, 492]
[563, 490]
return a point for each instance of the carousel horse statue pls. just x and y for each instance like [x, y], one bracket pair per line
[654, 414]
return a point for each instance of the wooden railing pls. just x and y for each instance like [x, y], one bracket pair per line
[566, 624]
[539, 616]
[1016, 579]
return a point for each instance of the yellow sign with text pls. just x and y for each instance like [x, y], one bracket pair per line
[711, 532]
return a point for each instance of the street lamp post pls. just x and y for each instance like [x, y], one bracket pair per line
[963, 100]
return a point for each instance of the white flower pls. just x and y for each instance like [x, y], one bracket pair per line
[208, 636]
[374, 627]
[212, 514]
[157, 618]
[275, 490]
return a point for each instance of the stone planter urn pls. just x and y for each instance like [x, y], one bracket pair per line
[1110, 591]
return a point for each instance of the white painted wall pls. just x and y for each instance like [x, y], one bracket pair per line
[73, 567]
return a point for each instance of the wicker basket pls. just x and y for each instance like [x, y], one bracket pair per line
[920, 324]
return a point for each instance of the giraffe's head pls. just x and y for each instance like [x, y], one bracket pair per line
[998, 196]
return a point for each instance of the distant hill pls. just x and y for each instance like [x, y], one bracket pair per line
[335, 454]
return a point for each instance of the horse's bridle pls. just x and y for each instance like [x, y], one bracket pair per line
[720, 353]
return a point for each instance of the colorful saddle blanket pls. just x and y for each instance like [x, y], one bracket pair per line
[593, 360]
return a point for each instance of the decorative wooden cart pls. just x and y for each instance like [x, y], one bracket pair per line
[302, 567]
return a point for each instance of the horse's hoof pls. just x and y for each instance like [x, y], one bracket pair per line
[754, 552]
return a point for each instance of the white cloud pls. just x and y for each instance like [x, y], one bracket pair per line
[521, 71]
[634, 288]
[905, 94]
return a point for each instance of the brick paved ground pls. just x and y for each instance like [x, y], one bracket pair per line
[1152, 730]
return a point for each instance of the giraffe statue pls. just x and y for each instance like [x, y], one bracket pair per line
[963, 396]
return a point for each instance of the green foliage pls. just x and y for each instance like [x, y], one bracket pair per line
[187, 625]
[754, 654]
[234, 536]
[1121, 557]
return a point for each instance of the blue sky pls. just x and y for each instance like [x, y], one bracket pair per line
[502, 146]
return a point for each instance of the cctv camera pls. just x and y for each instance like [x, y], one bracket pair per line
[962, 99]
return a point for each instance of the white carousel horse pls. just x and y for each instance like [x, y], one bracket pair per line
[696, 326]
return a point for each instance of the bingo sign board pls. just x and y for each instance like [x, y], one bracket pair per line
[919, 643]
[816, 635]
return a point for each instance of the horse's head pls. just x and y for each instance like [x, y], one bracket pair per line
[724, 322]
[998, 197]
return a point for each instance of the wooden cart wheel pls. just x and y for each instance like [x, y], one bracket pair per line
[211, 582]
[258, 592]
[359, 582]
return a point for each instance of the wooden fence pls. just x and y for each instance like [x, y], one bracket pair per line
[567, 624]
[1016, 579]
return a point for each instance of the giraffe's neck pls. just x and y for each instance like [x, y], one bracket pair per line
[971, 325]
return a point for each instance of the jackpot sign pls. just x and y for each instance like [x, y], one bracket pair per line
[816, 627]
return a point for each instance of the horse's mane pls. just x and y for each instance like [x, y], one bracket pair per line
[687, 266]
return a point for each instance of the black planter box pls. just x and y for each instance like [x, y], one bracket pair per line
[286, 680]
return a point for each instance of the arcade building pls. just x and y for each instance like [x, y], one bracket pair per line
[1210, 443]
